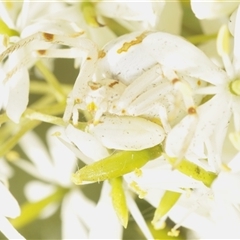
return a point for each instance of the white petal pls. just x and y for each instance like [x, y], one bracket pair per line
[8, 204]
[157, 176]
[128, 133]
[133, 11]
[36, 191]
[29, 168]
[210, 123]
[226, 187]
[37, 153]
[76, 215]
[49, 210]
[105, 223]
[180, 140]
[231, 23]
[18, 95]
[63, 158]
[5, 169]
[212, 9]
[165, 13]
[236, 50]
[8, 230]
[75, 150]
[86, 143]
[192, 210]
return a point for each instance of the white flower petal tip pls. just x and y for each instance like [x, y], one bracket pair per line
[8, 204]
[18, 95]
[110, 228]
[226, 186]
[36, 191]
[223, 41]
[127, 133]
[86, 143]
[8, 230]
[210, 9]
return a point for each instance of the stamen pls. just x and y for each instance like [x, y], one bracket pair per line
[136, 214]
[234, 87]
[235, 139]
[224, 49]
[141, 193]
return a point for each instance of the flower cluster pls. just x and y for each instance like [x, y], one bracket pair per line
[151, 115]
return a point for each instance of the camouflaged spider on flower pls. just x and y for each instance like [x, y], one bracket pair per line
[135, 82]
[137, 87]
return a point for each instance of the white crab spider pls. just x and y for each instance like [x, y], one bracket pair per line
[139, 74]
[142, 74]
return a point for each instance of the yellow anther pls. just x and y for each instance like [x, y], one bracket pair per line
[8, 4]
[12, 156]
[235, 87]
[223, 41]
[173, 233]
[138, 172]
[56, 134]
[141, 193]
[91, 107]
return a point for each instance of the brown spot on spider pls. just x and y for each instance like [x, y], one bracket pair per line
[199, 83]
[125, 47]
[94, 85]
[192, 111]
[123, 111]
[175, 80]
[88, 58]
[113, 84]
[48, 36]
[101, 54]
[77, 100]
[41, 52]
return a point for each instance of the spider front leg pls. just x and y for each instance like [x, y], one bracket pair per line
[84, 47]
[155, 96]
[160, 94]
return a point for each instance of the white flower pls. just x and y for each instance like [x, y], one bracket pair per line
[77, 211]
[211, 120]
[55, 169]
[208, 212]
[14, 83]
[90, 149]
[9, 207]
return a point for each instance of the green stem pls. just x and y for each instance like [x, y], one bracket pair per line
[4, 29]
[89, 14]
[34, 115]
[37, 87]
[52, 80]
[26, 126]
[30, 211]
[202, 38]
[192, 170]
[117, 28]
